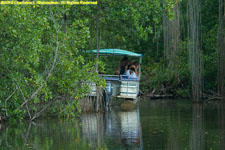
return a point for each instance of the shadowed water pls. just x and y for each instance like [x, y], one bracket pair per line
[154, 125]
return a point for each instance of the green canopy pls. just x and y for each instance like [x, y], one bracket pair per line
[115, 52]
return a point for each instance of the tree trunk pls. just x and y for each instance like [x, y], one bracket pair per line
[221, 49]
[171, 34]
[194, 47]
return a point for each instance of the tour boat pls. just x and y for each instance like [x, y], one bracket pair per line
[119, 86]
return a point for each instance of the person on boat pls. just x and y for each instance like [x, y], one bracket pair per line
[135, 66]
[123, 65]
[132, 73]
[127, 73]
[127, 68]
[117, 72]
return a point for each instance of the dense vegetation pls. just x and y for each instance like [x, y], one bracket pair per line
[43, 59]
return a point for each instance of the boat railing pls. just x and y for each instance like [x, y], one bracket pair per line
[118, 77]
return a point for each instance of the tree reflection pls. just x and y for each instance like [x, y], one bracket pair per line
[222, 123]
[49, 134]
[198, 134]
[93, 129]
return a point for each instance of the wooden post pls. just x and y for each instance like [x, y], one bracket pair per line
[139, 74]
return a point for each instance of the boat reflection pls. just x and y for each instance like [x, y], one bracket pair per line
[116, 129]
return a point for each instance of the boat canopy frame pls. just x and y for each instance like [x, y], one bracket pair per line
[115, 52]
[120, 52]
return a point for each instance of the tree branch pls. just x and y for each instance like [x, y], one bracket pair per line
[6, 113]
[39, 113]
[52, 67]
[28, 111]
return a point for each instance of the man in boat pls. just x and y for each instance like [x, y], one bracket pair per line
[123, 65]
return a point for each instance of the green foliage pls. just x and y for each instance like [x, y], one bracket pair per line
[42, 62]
[165, 80]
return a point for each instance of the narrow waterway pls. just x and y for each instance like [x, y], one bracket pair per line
[151, 125]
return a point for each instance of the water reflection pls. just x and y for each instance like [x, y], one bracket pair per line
[174, 125]
[222, 124]
[51, 134]
[161, 125]
[198, 133]
[116, 129]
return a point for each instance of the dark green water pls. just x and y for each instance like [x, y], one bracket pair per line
[153, 125]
